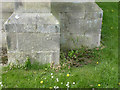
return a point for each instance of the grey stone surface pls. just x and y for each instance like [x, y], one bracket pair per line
[33, 22]
[34, 32]
[0, 38]
[38, 42]
[81, 22]
[7, 7]
[35, 35]
[75, 41]
[41, 57]
[34, 7]
[0, 24]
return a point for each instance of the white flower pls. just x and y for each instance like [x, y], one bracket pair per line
[67, 82]
[54, 86]
[57, 87]
[61, 82]
[73, 82]
[51, 76]
[51, 73]
[57, 79]
[1, 85]
[0, 82]
[67, 85]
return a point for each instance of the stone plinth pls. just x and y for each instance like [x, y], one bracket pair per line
[80, 24]
[36, 35]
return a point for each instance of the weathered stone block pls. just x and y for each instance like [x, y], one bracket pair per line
[34, 35]
[7, 7]
[33, 42]
[93, 24]
[20, 27]
[23, 18]
[93, 15]
[48, 28]
[67, 7]
[0, 24]
[5, 15]
[11, 41]
[0, 39]
[33, 22]
[92, 7]
[79, 19]
[75, 41]
[72, 26]
[41, 57]
[33, 7]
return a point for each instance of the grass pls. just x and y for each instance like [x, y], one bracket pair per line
[101, 75]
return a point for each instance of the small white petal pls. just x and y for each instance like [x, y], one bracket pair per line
[1, 85]
[0, 82]
[66, 84]
[57, 79]
[61, 82]
[73, 82]
[57, 87]
[51, 73]
[51, 76]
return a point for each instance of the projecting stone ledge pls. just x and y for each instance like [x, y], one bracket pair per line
[34, 35]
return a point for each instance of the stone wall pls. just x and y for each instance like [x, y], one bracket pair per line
[34, 35]
[33, 31]
[33, 7]
[80, 24]
[6, 9]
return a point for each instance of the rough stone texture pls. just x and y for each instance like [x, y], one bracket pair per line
[33, 7]
[34, 32]
[80, 24]
[0, 42]
[36, 35]
[6, 9]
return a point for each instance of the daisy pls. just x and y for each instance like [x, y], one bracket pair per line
[51, 76]
[54, 86]
[67, 82]
[73, 82]
[1, 85]
[57, 87]
[51, 73]
[57, 79]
